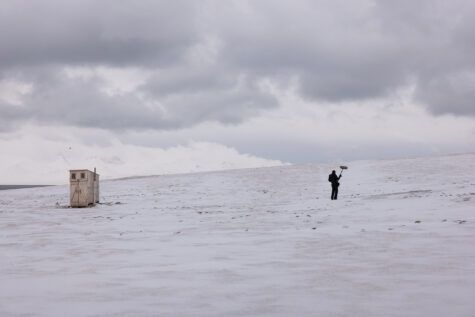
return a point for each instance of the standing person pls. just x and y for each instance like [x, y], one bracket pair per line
[334, 179]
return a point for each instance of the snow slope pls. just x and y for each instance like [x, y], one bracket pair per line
[255, 242]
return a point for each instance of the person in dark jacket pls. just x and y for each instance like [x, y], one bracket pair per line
[334, 179]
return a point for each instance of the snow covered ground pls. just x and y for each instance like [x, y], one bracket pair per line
[400, 241]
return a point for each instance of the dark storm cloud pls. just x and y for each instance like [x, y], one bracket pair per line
[438, 40]
[95, 32]
[334, 48]
[208, 60]
[356, 50]
[59, 99]
[449, 93]
[82, 104]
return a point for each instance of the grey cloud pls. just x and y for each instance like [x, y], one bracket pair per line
[77, 102]
[216, 92]
[95, 32]
[207, 59]
[337, 54]
[357, 50]
[9, 115]
[228, 106]
[450, 93]
[59, 99]
[439, 45]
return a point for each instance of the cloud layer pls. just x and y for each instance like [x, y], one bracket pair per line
[41, 156]
[168, 65]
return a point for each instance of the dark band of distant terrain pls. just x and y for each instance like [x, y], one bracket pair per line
[3, 187]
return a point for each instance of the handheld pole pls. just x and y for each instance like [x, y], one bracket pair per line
[343, 168]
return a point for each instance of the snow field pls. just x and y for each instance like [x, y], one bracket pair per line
[255, 242]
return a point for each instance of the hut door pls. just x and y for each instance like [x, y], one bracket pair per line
[78, 195]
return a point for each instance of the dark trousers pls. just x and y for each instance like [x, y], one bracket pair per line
[335, 191]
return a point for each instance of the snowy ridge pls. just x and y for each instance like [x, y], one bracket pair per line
[255, 242]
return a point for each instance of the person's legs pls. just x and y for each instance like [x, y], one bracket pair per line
[334, 192]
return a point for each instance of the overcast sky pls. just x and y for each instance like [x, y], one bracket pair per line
[151, 87]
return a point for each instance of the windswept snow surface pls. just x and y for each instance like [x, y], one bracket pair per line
[400, 241]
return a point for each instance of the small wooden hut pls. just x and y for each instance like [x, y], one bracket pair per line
[84, 188]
